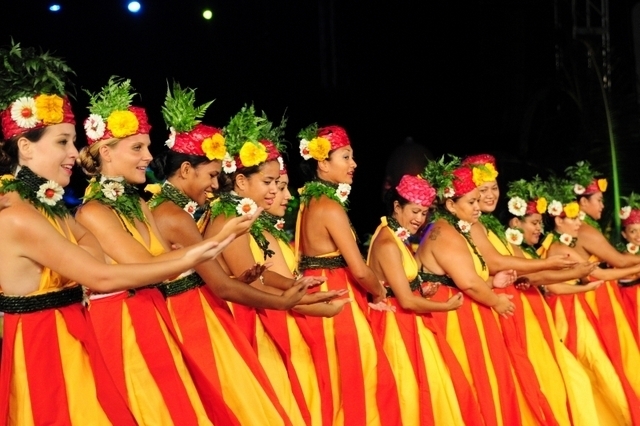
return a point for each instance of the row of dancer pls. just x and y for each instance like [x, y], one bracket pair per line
[390, 340]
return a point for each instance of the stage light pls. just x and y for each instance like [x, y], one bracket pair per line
[207, 14]
[54, 7]
[134, 6]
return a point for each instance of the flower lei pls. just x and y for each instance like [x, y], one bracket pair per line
[453, 221]
[628, 248]
[270, 223]
[227, 205]
[317, 188]
[564, 239]
[45, 195]
[399, 231]
[168, 192]
[121, 196]
[591, 221]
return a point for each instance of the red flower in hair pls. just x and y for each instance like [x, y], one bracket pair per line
[480, 159]
[336, 135]
[463, 181]
[416, 190]
[191, 142]
[634, 218]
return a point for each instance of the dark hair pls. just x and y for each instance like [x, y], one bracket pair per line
[310, 167]
[169, 162]
[9, 148]
[226, 181]
[390, 197]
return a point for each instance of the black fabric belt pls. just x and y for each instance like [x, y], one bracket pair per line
[41, 302]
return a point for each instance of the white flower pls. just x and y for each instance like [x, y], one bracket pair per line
[449, 192]
[625, 212]
[50, 193]
[94, 127]
[280, 224]
[228, 164]
[112, 190]
[281, 162]
[402, 233]
[104, 178]
[566, 239]
[632, 248]
[304, 149]
[191, 207]
[514, 236]
[246, 206]
[23, 112]
[578, 189]
[172, 138]
[555, 208]
[343, 191]
[582, 215]
[517, 206]
[464, 226]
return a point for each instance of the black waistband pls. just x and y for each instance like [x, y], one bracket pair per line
[414, 285]
[311, 262]
[41, 302]
[435, 278]
[181, 285]
[629, 283]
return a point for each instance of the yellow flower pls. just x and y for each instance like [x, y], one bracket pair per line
[252, 154]
[122, 124]
[485, 173]
[319, 148]
[541, 205]
[153, 188]
[214, 147]
[49, 109]
[572, 210]
[602, 185]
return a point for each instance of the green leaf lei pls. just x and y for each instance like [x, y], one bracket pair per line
[556, 238]
[227, 204]
[530, 250]
[270, 225]
[453, 221]
[27, 184]
[591, 221]
[168, 192]
[126, 204]
[492, 224]
[317, 188]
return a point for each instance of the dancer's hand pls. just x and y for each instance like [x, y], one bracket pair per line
[504, 306]
[239, 225]
[382, 306]
[253, 273]
[206, 250]
[560, 261]
[454, 302]
[504, 278]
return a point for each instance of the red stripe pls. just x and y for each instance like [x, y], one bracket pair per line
[630, 298]
[48, 397]
[245, 318]
[6, 366]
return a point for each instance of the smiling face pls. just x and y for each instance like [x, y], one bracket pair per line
[411, 216]
[260, 186]
[200, 181]
[531, 226]
[489, 193]
[339, 167]
[128, 158]
[593, 205]
[631, 233]
[53, 155]
[467, 207]
[280, 202]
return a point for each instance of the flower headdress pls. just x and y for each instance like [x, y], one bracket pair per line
[317, 143]
[112, 115]
[187, 134]
[416, 190]
[443, 175]
[562, 198]
[584, 179]
[32, 90]
[483, 167]
[526, 197]
[252, 140]
[630, 213]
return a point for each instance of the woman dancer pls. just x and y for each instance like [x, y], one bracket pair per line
[630, 217]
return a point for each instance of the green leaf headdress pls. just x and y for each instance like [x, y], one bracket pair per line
[562, 198]
[527, 197]
[440, 174]
[584, 179]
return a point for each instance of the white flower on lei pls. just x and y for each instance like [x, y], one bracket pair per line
[514, 236]
[402, 233]
[343, 191]
[112, 190]
[555, 208]
[463, 226]
[191, 208]
[280, 224]
[94, 127]
[228, 164]
[104, 178]
[632, 248]
[23, 112]
[517, 206]
[449, 192]
[578, 189]
[625, 212]
[246, 207]
[304, 149]
[281, 163]
[566, 239]
[582, 215]
[172, 138]
[50, 193]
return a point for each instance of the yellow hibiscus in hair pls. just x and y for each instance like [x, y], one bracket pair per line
[252, 154]
[541, 205]
[484, 173]
[572, 210]
[602, 185]
[122, 124]
[214, 147]
[319, 148]
[49, 109]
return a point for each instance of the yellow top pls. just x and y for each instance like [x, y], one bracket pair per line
[409, 263]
